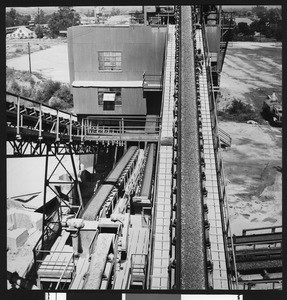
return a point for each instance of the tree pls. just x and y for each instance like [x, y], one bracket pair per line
[259, 10]
[243, 28]
[13, 18]
[40, 17]
[90, 13]
[39, 31]
[269, 24]
[64, 93]
[115, 11]
[48, 90]
[64, 18]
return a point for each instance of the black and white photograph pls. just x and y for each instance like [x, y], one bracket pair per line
[144, 149]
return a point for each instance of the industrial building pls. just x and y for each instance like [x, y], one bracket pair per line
[156, 213]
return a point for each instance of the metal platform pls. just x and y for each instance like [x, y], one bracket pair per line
[220, 280]
[162, 209]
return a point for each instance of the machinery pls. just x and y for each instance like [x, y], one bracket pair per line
[272, 110]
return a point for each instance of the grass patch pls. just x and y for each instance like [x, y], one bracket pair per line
[239, 111]
[38, 88]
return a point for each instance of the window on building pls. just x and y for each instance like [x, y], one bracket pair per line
[110, 61]
[109, 97]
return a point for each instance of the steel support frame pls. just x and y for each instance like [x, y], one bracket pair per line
[74, 182]
[29, 148]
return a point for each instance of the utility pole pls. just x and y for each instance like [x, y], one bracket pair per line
[145, 15]
[29, 58]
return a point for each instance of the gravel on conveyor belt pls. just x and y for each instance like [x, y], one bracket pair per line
[192, 242]
[253, 267]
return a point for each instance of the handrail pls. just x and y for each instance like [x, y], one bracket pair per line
[221, 184]
[152, 79]
[67, 265]
[250, 283]
[38, 103]
[24, 117]
[224, 136]
[151, 242]
[272, 228]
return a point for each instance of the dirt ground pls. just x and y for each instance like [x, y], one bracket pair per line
[51, 62]
[19, 47]
[251, 71]
[253, 164]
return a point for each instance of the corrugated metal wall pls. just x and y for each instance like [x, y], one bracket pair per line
[142, 50]
[86, 102]
[213, 37]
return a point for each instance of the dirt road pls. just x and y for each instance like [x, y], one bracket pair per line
[51, 63]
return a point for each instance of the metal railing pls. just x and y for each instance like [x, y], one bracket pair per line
[152, 81]
[23, 113]
[224, 206]
[224, 137]
[152, 227]
[273, 283]
[63, 269]
[38, 116]
[270, 229]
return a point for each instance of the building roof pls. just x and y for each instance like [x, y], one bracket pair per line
[243, 20]
[24, 30]
[79, 83]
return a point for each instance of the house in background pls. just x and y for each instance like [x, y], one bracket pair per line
[22, 33]
[86, 20]
[243, 20]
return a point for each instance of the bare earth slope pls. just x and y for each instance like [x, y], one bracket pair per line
[253, 164]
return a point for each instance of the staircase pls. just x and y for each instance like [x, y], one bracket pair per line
[225, 138]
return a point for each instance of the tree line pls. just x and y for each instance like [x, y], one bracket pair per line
[267, 23]
[60, 20]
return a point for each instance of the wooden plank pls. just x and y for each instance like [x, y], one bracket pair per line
[62, 241]
[57, 270]
[81, 269]
[55, 245]
[123, 276]
[54, 265]
[138, 244]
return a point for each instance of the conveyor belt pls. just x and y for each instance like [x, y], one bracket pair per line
[95, 203]
[190, 244]
[98, 261]
[146, 186]
[116, 172]
[256, 267]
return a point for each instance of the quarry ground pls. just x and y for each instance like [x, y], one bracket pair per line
[253, 164]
